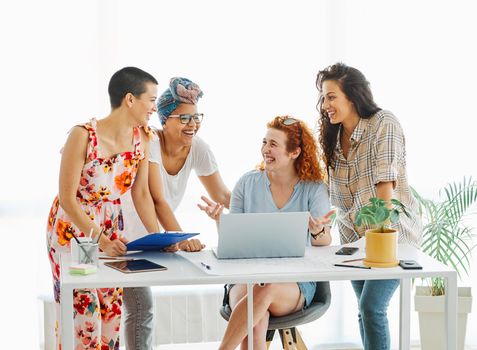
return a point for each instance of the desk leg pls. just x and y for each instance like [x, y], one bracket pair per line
[250, 315]
[405, 314]
[67, 332]
[451, 311]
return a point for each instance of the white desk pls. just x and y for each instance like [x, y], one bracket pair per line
[181, 271]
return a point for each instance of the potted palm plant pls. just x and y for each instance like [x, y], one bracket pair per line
[447, 237]
[381, 239]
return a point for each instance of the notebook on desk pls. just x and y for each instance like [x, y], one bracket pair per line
[262, 235]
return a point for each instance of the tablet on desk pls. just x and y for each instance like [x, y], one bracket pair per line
[137, 265]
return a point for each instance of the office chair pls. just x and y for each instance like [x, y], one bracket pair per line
[286, 325]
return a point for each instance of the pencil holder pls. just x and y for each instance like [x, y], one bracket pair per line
[86, 252]
[75, 248]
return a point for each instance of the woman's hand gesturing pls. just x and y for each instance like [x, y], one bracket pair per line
[212, 209]
[317, 225]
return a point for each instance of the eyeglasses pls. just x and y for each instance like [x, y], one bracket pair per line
[288, 120]
[186, 118]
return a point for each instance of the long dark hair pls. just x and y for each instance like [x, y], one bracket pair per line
[356, 88]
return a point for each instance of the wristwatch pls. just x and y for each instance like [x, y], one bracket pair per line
[319, 234]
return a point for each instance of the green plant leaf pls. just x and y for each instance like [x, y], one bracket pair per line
[368, 210]
[406, 212]
[459, 197]
[374, 201]
[445, 234]
[419, 199]
[368, 219]
[374, 215]
[382, 214]
[447, 247]
[394, 216]
[398, 204]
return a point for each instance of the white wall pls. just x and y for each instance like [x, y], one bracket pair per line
[253, 59]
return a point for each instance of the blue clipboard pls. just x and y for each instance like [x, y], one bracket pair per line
[158, 241]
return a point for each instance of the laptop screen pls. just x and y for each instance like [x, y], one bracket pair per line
[262, 235]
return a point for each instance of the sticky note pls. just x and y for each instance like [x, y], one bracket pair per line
[82, 269]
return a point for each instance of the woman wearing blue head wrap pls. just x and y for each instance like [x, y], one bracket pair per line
[181, 90]
[172, 156]
[178, 150]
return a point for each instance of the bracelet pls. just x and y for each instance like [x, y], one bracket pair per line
[319, 234]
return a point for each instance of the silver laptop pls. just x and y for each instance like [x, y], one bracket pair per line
[262, 235]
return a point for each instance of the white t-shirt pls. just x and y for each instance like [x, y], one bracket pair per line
[200, 158]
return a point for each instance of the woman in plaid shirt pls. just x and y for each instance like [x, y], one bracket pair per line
[364, 152]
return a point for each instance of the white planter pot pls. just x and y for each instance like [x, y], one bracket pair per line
[431, 317]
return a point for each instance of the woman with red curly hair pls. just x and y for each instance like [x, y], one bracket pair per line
[289, 179]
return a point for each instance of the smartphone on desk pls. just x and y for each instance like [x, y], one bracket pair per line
[347, 251]
[409, 265]
[136, 265]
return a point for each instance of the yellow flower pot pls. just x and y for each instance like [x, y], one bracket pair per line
[381, 248]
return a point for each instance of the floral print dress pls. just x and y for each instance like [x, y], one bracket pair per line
[96, 312]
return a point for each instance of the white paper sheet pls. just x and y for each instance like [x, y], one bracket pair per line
[315, 259]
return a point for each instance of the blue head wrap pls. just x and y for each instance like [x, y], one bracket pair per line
[181, 90]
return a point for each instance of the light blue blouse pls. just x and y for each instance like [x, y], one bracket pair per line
[252, 194]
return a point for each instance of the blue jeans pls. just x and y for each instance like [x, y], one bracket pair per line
[139, 314]
[307, 289]
[373, 300]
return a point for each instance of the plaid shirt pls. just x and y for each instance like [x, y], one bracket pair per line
[377, 154]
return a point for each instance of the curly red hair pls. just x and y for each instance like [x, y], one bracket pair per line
[307, 165]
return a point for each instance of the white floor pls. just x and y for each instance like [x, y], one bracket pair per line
[209, 346]
[275, 346]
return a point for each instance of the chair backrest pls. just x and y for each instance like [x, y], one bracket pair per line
[319, 305]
